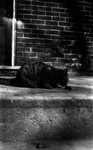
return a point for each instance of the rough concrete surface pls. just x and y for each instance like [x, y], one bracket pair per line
[48, 145]
[47, 119]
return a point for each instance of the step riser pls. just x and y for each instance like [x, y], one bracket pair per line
[8, 70]
[26, 124]
[7, 73]
[28, 114]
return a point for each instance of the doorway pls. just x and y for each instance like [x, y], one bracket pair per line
[6, 32]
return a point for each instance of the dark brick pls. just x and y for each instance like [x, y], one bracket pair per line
[71, 56]
[64, 23]
[68, 19]
[25, 20]
[38, 22]
[20, 34]
[91, 57]
[19, 45]
[19, 39]
[55, 37]
[51, 59]
[38, 3]
[28, 54]
[30, 35]
[48, 13]
[55, 14]
[44, 17]
[43, 27]
[48, 9]
[20, 16]
[35, 8]
[21, 7]
[67, 51]
[29, 44]
[88, 13]
[57, 27]
[51, 32]
[24, 11]
[30, 16]
[64, 14]
[52, 4]
[42, 8]
[27, 16]
[27, 30]
[65, 60]
[45, 0]
[25, 2]
[43, 54]
[86, 3]
[58, 10]
[38, 49]
[19, 53]
[30, 26]
[91, 48]
[38, 12]
[44, 36]
[28, 7]
[37, 31]
[56, 18]
[51, 23]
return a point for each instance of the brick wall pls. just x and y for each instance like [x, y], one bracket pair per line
[58, 32]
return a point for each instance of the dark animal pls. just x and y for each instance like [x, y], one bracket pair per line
[38, 74]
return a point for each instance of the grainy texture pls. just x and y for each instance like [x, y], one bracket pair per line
[60, 29]
[35, 74]
[27, 124]
[42, 114]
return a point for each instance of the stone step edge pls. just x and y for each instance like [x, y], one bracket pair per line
[10, 68]
[47, 104]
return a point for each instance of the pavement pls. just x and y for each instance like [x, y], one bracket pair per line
[51, 119]
[48, 145]
[82, 88]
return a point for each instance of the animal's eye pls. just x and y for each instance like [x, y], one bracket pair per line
[49, 68]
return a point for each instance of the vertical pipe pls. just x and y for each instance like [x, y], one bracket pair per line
[13, 32]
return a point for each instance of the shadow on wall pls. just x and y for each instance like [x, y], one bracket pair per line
[79, 35]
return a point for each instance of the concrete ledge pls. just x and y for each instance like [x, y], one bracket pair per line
[9, 67]
[41, 114]
[80, 95]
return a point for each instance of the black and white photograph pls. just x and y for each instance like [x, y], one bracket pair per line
[46, 74]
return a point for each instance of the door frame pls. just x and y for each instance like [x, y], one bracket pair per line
[13, 34]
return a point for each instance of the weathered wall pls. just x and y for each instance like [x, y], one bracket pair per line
[44, 27]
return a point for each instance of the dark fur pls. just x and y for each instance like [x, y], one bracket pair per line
[37, 74]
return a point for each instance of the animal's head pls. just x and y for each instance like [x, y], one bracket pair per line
[62, 77]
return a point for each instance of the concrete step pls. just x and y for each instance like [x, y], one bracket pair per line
[47, 114]
[48, 145]
[8, 70]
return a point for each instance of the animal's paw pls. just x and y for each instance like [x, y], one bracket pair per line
[48, 86]
[41, 146]
[68, 88]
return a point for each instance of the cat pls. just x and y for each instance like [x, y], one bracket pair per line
[36, 74]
